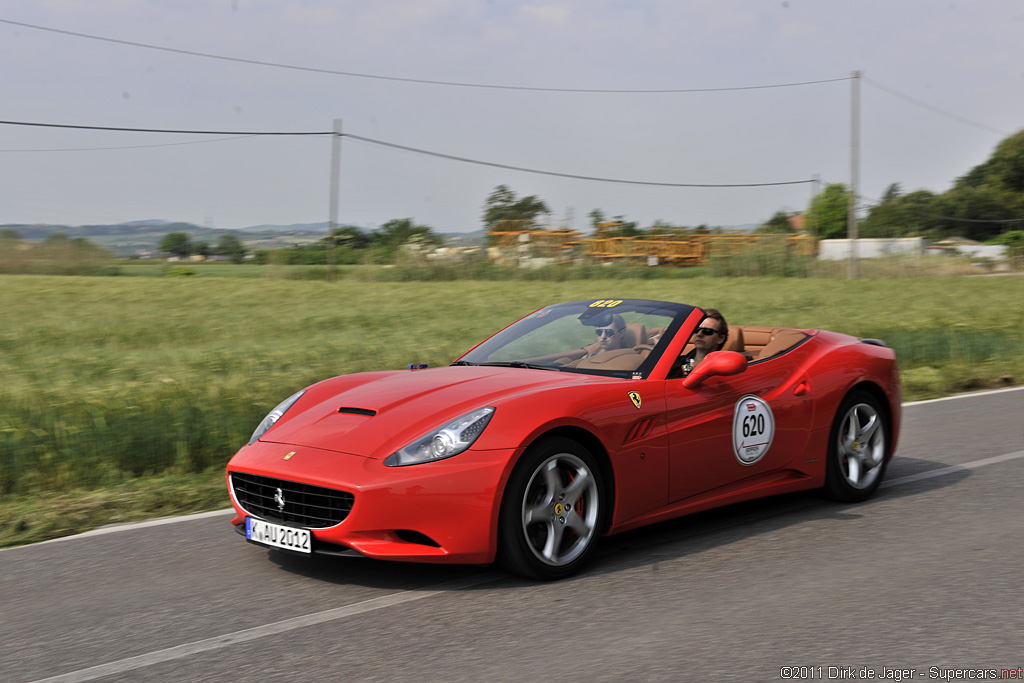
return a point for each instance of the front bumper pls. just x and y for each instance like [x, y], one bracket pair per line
[444, 511]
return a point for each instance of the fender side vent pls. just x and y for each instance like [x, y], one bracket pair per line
[874, 342]
[641, 429]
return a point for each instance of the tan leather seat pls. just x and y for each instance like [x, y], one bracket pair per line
[781, 341]
[654, 335]
[734, 342]
[756, 337]
[636, 334]
[619, 359]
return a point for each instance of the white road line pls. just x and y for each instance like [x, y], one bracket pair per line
[951, 469]
[959, 396]
[278, 627]
[115, 528]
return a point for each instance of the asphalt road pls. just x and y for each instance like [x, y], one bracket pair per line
[926, 576]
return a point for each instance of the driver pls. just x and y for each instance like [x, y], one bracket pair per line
[709, 336]
[609, 337]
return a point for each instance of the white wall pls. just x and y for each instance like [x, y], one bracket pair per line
[872, 247]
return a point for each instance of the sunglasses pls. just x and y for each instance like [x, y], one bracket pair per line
[605, 331]
[707, 331]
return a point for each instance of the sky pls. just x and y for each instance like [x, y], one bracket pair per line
[943, 84]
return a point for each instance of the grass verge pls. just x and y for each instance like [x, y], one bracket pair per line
[31, 518]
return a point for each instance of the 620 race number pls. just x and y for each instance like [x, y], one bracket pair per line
[753, 429]
[753, 425]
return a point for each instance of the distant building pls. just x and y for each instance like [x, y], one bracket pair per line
[966, 247]
[872, 247]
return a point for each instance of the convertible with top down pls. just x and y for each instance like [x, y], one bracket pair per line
[543, 438]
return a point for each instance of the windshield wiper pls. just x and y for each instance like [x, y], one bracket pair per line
[518, 364]
[462, 362]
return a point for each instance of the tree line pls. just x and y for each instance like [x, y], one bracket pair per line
[987, 203]
[182, 246]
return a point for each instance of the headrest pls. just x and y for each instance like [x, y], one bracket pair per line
[735, 340]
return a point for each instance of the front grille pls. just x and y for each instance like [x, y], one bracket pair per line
[314, 507]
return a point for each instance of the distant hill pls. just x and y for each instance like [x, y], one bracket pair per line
[134, 237]
[137, 237]
[294, 227]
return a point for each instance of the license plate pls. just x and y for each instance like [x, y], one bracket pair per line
[278, 536]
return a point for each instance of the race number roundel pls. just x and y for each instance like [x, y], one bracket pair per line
[753, 428]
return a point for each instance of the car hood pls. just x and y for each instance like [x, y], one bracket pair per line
[374, 414]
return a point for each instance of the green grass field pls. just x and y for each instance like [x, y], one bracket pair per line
[123, 397]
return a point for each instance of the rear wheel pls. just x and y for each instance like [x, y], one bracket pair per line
[858, 448]
[552, 512]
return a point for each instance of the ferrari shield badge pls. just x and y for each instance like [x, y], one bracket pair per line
[634, 396]
[753, 428]
[289, 456]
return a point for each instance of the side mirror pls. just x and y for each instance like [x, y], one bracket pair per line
[717, 363]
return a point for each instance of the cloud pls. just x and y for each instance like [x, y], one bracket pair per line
[733, 18]
[799, 29]
[552, 15]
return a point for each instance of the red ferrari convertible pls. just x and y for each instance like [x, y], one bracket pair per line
[580, 420]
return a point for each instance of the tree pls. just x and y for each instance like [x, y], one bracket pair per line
[991, 191]
[9, 234]
[351, 237]
[230, 246]
[176, 243]
[503, 207]
[778, 224]
[201, 248]
[827, 214]
[981, 208]
[627, 228]
[900, 215]
[1014, 242]
[1006, 167]
[400, 232]
[892, 193]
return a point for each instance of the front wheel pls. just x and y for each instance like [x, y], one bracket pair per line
[858, 449]
[552, 512]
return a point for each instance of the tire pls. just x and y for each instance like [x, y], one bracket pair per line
[858, 450]
[552, 512]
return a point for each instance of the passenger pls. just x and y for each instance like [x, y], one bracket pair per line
[709, 336]
[609, 337]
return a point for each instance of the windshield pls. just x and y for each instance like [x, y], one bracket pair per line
[618, 337]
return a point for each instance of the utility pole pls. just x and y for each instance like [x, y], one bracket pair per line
[332, 221]
[812, 227]
[851, 216]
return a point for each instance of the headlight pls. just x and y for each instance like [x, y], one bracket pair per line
[274, 416]
[443, 442]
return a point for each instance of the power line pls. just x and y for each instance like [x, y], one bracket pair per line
[566, 175]
[933, 108]
[424, 81]
[406, 148]
[101, 149]
[163, 130]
